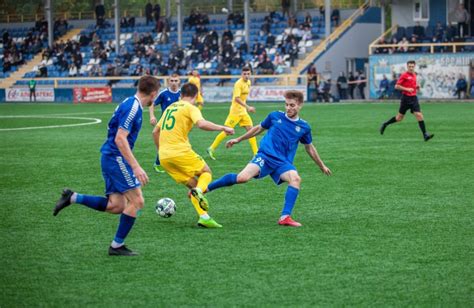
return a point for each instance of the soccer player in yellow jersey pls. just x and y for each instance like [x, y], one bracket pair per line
[176, 154]
[195, 79]
[238, 113]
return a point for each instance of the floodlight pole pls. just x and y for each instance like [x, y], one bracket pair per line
[295, 7]
[49, 16]
[247, 22]
[117, 26]
[180, 22]
[327, 14]
[168, 9]
[229, 5]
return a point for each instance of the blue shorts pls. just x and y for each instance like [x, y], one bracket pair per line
[118, 174]
[274, 168]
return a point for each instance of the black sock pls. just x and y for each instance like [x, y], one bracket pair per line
[392, 120]
[422, 127]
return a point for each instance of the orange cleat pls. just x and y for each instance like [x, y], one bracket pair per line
[288, 221]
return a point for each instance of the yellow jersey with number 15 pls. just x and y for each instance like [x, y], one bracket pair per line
[241, 90]
[175, 124]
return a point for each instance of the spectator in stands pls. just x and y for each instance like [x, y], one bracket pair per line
[383, 87]
[461, 87]
[123, 22]
[227, 35]
[419, 31]
[244, 48]
[462, 17]
[403, 45]
[307, 35]
[285, 8]
[413, 48]
[157, 12]
[222, 69]
[148, 13]
[72, 70]
[292, 50]
[342, 86]
[394, 41]
[279, 63]
[308, 20]
[100, 15]
[266, 67]
[439, 31]
[42, 69]
[265, 28]
[312, 76]
[270, 42]
[381, 49]
[335, 17]
[361, 83]
[352, 85]
[237, 62]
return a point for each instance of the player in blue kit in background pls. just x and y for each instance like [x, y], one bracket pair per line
[165, 98]
[276, 153]
[122, 173]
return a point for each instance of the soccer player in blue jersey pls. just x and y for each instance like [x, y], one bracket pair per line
[122, 173]
[276, 153]
[165, 98]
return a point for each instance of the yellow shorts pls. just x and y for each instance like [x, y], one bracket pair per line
[199, 99]
[242, 120]
[183, 168]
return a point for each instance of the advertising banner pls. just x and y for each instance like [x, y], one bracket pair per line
[92, 95]
[257, 93]
[436, 73]
[23, 95]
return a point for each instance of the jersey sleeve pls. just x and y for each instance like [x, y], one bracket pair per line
[401, 79]
[267, 122]
[128, 117]
[195, 114]
[307, 138]
[159, 99]
[237, 89]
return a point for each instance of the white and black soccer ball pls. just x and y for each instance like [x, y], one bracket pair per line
[165, 207]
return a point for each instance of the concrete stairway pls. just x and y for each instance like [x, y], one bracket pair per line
[28, 67]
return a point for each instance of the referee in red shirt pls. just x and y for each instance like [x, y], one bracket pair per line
[407, 84]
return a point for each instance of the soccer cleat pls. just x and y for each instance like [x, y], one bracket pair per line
[64, 201]
[122, 251]
[382, 128]
[208, 223]
[288, 221]
[197, 193]
[210, 151]
[158, 168]
[428, 136]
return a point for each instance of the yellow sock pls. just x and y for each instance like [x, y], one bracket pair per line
[198, 209]
[253, 145]
[218, 140]
[204, 180]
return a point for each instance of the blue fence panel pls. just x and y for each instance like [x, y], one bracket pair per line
[63, 96]
[119, 94]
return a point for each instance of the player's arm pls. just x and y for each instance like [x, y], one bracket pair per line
[313, 153]
[151, 109]
[209, 126]
[240, 102]
[124, 148]
[254, 131]
[399, 87]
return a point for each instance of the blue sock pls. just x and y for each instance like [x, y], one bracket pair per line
[157, 161]
[94, 202]
[290, 199]
[125, 225]
[227, 180]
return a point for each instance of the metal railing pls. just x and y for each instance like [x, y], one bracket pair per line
[258, 6]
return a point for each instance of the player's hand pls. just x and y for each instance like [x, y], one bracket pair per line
[141, 175]
[326, 170]
[230, 143]
[411, 90]
[153, 121]
[229, 130]
[251, 109]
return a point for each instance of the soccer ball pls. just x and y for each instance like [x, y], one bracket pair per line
[165, 207]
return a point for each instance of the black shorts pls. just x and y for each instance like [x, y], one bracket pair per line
[409, 102]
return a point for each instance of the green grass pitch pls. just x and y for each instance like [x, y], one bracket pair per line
[394, 225]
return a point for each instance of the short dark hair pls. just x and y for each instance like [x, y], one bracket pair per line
[148, 84]
[189, 90]
[296, 95]
[411, 62]
[246, 69]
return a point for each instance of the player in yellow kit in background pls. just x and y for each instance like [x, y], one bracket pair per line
[176, 154]
[238, 113]
[195, 79]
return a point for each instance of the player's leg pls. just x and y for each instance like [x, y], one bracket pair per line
[421, 123]
[247, 123]
[399, 117]
[157, 165]
[231, 121]
[294, 181]
[133, 207]
[68, 197]
[204, 177]
[250, 171]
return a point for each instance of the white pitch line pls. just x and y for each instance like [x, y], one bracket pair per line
[93, 121]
